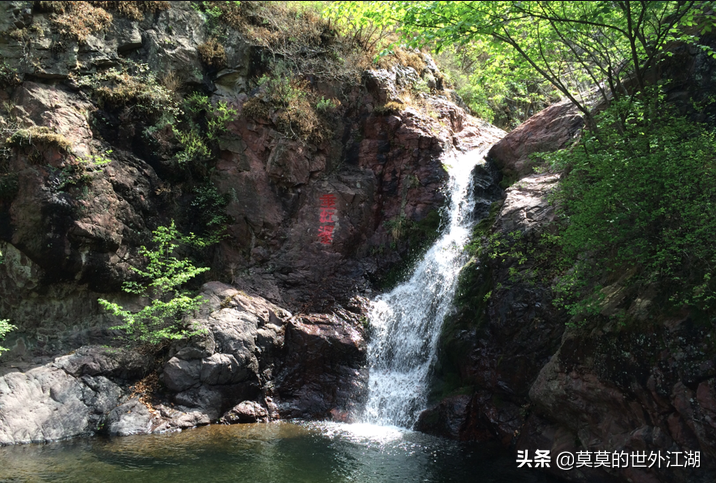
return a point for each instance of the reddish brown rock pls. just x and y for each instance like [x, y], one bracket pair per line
[246, 412]
[549, 130]
[323, 367]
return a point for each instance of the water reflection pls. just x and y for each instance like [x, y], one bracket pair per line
[277, 452]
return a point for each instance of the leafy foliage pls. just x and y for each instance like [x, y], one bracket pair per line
[368, 24]
[640, 200]
[5, 327]
[208, 210]
[575, 46]
[480, 77]
[162, 279]
[78, 170]
[201, 124]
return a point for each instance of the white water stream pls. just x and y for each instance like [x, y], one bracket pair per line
[407, 321]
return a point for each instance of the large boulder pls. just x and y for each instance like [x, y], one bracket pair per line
[323, 373]
[253, 362]
[551, 129]
[46, 404]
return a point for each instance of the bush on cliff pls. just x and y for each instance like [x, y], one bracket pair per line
[640, 200]
[164, 317]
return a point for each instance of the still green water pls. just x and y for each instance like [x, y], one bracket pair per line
[275, 452]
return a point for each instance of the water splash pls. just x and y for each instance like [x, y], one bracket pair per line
[407, 321]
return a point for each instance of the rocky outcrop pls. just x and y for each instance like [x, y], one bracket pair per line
[510, 368]
[504, 330]
[71, 231]
[323, 372]
[627, 389]
[254, 363]
[550, 129]
[531, 383]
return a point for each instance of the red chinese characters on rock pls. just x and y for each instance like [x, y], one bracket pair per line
[327, 207]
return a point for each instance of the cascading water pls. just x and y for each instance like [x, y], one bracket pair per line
[407, 321]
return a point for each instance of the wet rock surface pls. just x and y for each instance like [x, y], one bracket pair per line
[323, 369]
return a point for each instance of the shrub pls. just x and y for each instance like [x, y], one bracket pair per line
[132, 85]
[78, 170]
[640, 199]
[208, 211]
[164, 317]
[325, 105]
[289, 102]
[202, 123]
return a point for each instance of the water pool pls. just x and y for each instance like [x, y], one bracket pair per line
[311, 452]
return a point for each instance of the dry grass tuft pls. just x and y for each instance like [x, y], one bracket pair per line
[403, 57]
[296, 110]
[172, 82]
[135, 86]
[256, 108]
[77, 20]
[212, 53]
[392, 107]
[133, 10]
[39, 136]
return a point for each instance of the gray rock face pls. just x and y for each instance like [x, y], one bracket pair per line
[237, 363]
[180, 375]
[110, 362]
[132, 417]
[47, 404]
[527, 207]
[316, 371]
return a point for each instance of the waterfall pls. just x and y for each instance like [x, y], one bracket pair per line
[406, 322]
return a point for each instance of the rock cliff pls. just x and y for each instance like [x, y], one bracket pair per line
[511, 370]
[319, 177]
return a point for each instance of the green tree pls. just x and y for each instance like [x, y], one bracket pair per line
[164, 317]
[641, 200]
[575, 46]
